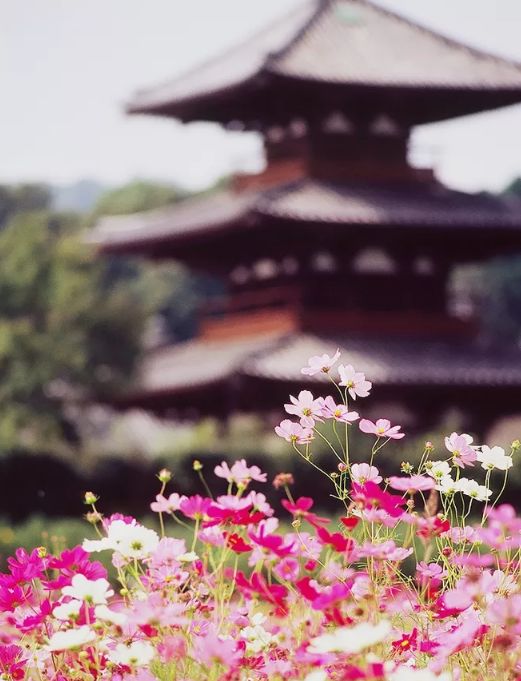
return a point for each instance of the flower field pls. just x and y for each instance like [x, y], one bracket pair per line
[416, 579]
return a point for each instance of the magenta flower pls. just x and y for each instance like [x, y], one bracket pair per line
[320, 363]
[382, 428]
[460, 447]
[300, 509]
[294, 432]
[370, 495]
[12, 662]
[354, 381]
[195, 507]
[339, 412]
[414, 483]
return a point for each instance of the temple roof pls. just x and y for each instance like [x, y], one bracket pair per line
[176, 230]
[183, 374]
[350, 44]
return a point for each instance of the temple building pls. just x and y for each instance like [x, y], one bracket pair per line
[339, 242]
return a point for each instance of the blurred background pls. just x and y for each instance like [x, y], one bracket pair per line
[171, 257]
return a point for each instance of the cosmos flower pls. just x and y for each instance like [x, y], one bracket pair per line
[320, 364]
[354, 381]
[382, 428]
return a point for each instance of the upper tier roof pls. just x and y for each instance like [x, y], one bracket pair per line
[351, 46]
[227, 223]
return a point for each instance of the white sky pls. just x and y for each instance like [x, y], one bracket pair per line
[67, 67]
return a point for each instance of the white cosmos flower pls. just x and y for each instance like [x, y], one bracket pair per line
[130, 540]
[67, 610]
[473, 489]
[350, 639]
[438, 469]
[71, 639]
[94, 591]
[107, 615]
[446, 485]
[494, 457]
[256, 636]
[138, 653]
[188, 557]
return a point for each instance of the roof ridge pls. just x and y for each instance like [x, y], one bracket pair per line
[453, 42]
[263, 30]
[412, 23]
[322, 5]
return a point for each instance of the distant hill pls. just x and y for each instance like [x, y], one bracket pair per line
[79, 197]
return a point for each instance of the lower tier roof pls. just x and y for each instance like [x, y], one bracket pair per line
[192, 374]
[226, 219]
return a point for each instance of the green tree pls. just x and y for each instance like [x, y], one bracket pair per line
[175, 293]
[22, 198]
[137, 196]
[65, 337]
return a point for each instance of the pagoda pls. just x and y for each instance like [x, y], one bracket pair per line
[339, 242]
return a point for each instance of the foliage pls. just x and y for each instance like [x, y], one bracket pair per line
[23, 198]
[137, 196]
[64, 336]
[397, 590]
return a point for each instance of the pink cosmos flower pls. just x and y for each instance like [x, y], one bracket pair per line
[167, 552]
[301, 509]
[462, 453]
[212, 648]
[12, 662]
[362, 472]
[287, 569]
[306, 407]
[370, 495]
[339, 412]
[164, 505]
[414, 483]
[320, 363]
[382, 428]
[506, 612]
[354, 381]
[195, 506]
[294, 432]
[240, 473]
[430, 571]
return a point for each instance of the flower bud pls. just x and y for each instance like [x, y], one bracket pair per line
[197, 465]
[516, 445]
[164, 475]
[42, 551]
[93, 518]
[447, 551]
[429, 446]
[282, 479]
[90, 498]
[406, 467]
[342, 467]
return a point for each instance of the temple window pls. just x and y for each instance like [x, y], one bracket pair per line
[323, 261]
[423, 266]
[289, 265]
[240, 275]
[265, 269]
[374, 261]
